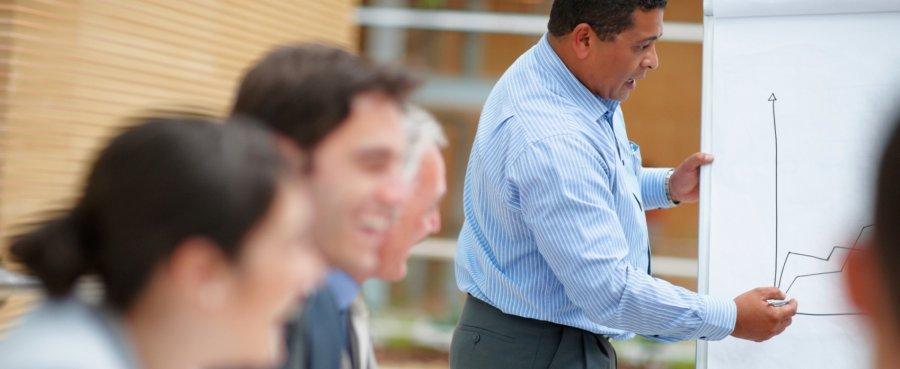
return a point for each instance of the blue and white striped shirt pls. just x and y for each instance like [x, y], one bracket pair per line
[554, 205]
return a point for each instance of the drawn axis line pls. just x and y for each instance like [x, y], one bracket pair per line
[777, 278]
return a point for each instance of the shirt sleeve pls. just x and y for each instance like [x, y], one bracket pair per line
[567, 203]
[653, 188]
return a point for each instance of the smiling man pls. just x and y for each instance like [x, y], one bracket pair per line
[347, 114]
[554, 252]
[418, 217]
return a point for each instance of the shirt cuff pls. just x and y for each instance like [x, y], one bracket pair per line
[653, 188]
[719, 317]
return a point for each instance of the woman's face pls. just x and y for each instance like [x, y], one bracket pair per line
[278, 266]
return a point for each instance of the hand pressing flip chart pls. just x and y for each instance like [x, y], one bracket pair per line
[796, 100]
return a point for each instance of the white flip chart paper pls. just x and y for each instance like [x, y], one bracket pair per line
[796, 106]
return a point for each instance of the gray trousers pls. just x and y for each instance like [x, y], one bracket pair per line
[487, 338]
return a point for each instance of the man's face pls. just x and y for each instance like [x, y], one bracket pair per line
[614, 67]
[357, 183]
[419, 217]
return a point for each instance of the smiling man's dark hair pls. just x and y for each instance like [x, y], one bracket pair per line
[304, 91]
[607, 18]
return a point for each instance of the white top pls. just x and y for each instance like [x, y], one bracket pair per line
[770, 8]
[67, 334]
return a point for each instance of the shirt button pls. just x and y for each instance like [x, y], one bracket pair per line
[703, 338]
[476, 337]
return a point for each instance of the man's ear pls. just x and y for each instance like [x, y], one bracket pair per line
[200, 273]
[581, 39]
[864, 286]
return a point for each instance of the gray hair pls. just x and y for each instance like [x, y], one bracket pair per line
[422, 130]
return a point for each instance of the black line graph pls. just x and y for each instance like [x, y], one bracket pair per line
[827, 258]
[811, 275]
[826, 270]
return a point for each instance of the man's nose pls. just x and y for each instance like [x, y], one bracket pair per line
[393, 190]
[652, 60]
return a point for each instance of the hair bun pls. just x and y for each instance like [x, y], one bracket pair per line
[54, 253]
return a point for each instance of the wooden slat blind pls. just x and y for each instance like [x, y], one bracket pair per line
[71, 70]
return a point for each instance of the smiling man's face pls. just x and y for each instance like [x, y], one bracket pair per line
[614, 66]
[357, 183]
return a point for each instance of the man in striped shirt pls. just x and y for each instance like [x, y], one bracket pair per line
[554, 252]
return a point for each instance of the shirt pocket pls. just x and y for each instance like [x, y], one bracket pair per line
[635, 160]
[632, 163]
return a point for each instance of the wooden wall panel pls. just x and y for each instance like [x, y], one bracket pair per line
[74, 69]
[71, 71]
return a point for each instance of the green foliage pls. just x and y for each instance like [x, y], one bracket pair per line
[430, 3]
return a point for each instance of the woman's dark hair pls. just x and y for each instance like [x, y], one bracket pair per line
[304, 91]
[607, 18]
[156, 184]
[887, 215]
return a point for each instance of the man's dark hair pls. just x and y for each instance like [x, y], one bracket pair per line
[305, 91]
[607, 18]
[887, 215]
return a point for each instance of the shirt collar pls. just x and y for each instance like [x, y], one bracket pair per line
[594, 105]
[343, 287]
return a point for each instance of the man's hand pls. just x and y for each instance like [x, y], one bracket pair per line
[757, 320]
[684, 185]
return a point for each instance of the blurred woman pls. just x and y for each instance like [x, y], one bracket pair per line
[197, 232]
